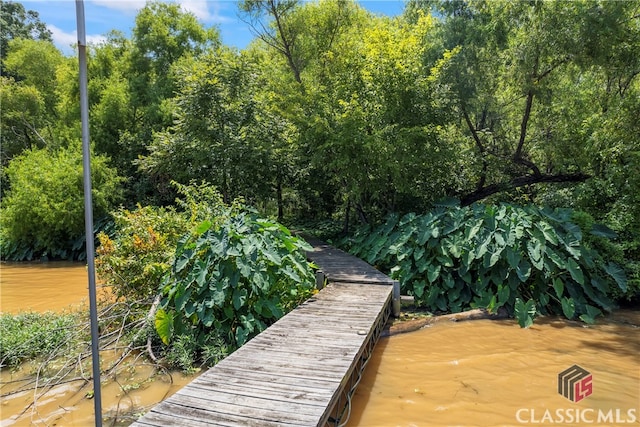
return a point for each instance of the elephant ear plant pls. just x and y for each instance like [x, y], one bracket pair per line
[526, 259]
[232, 280]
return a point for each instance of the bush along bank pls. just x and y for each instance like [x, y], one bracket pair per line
[528, 260]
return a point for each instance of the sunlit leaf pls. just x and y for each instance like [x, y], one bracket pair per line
[164, 325]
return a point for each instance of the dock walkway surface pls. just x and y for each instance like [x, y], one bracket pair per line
[303, 369]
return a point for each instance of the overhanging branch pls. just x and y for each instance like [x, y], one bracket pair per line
[520, 181]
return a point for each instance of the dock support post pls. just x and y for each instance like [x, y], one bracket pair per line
[396, 298]
[319, 280]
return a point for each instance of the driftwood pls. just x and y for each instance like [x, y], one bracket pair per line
[401, 326]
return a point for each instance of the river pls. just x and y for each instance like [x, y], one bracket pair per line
[493, 373]
[472, 373]
[62, 286]
[36, 286]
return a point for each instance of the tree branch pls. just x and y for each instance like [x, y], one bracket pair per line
[520, 181]
[481, 149]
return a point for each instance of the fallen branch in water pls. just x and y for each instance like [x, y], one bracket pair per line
[403, 326]
[123, 329]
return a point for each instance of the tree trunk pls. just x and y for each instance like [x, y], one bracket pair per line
[279, 199]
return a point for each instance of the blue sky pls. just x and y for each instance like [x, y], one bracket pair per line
[101, 16]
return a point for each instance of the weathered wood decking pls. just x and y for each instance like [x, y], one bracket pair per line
[302, 370]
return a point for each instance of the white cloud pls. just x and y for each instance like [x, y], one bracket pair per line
[65, 41]
[127, 6]
[200, 8]
[218, 8]
[206, 10]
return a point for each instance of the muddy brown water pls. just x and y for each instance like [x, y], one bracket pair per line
[471, 373]
[493, 373]
[54, 286]
[60, 286]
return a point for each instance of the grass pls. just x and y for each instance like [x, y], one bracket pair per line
[29, 335]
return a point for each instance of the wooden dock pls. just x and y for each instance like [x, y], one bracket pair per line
[304, 368]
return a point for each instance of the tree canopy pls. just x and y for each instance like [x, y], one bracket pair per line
[335, 112]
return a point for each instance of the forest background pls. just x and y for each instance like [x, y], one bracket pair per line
[332, 119]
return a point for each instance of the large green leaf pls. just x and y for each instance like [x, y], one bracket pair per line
[558, 286]
[433, 271]
[568, 307]
[164, 325]
[617, 274]
[472, 231]
[241, 336]
[591, 314]
[418, 288]
[603, 231]
[525, 312]
[272, 255]
[523, 270]
[548, 232]
[575, 271]
[239, 297]
[513, 257]
[534, 249]
[483, 248]
[183, 260]
[207, 317]
[182, 298]
[553, 255]
[503, 295]
[202, 227]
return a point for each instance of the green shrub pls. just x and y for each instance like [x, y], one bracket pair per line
[233, 280]
[525, 259]
[43, 210]
[136, 258]
[29, 335]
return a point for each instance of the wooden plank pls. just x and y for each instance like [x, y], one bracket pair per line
[189, 413]
[248, 387]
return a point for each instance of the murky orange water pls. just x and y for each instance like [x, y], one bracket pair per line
[54, 286]
[124, 398]
[492, 373]
[474, 373]
[59, 286]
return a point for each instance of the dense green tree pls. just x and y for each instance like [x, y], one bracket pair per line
[163, 35]
[35, 63]
[523, 79]
[18, 23]
[214, 135]
[271, 22]
[43, 212]
[21, 118]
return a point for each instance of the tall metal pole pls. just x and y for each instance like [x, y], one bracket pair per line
[88, 213]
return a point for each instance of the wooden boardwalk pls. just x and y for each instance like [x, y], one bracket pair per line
[303, 369]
